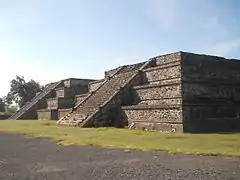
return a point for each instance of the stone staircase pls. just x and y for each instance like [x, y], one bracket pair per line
[28, 106]
[87, 111]
[156, 103]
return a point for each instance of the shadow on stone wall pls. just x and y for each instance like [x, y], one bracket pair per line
[218, 125]
[4, 116]
[113, 117]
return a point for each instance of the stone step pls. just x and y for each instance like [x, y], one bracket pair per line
[161, 101]
[105, 92]
[160, 84]
[143, 106]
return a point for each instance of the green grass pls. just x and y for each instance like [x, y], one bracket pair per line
[205, 144]
[6, 113]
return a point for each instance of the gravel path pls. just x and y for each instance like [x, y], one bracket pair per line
[39, 159]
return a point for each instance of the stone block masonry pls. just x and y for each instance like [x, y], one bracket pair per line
[177, 92]
[187, 92]
[210, 88]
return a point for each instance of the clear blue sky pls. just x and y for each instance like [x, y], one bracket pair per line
[49, 40]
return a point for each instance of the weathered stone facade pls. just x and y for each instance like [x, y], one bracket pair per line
[81, 97]
[94, 85]
[63, 112]
[60, 103]
[58, 95]
[156, 104]
[177, 92]
[210, 93]
[47, 114]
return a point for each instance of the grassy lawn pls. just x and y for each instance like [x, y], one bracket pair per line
[208, 144]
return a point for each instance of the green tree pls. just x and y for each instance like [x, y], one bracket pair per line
[21, 91]
[2, 105]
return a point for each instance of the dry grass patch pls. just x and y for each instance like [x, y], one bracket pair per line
[206, 144]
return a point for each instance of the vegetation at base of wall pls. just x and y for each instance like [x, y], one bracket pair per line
[204, 144]
[6, 113]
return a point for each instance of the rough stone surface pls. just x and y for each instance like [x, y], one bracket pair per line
[211, 93]
[159, 92]
[94, 85]
[47, 114]
[159, 126]
[59, 103]
[63, 112]
[154, 115]
[205, 88]
[80, 98]
[168, 58]
[161, 101]
[68, 92]
[159, 73]
[71, 82]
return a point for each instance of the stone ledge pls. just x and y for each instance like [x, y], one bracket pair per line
[57, 98]
[174, 100]
[45, 110]
[97, 81]
[165, 81]
[211, 59]
[82, 95]
[163, 66]
[143, 107]
[157, 122]
[223, 119]
[165, 98]
[210, 101]
[68, 109]
[210, 81]
[60, 88]
[185, 104]
[177, 82]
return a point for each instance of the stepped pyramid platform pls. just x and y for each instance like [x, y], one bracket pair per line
[177, 92]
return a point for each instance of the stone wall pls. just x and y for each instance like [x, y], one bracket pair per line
[156, 104]
[60, 103]
[154, 92]
[47, 114]
[168, 118]
[80, 98]
[168, 58]
[63, 112]
[206, 90]
[180, 92]
[111, 72]
[150, 114]
[94, 85]
[76, 82]
[164, 127]
[164, 101]
[65, 92]
[66, 103]
[162, 73]
[211, 91]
